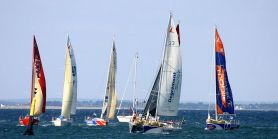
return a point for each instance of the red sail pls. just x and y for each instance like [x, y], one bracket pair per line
[178, 32]
[36, 61]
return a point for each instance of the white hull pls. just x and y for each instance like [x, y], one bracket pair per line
[62, 122]
[156, 130]
[171, 128]
[90, 123]
[216, 127]
[124, 119]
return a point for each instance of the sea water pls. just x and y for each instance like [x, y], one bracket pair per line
[253, 124]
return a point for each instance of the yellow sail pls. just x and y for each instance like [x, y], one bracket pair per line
[32, 108]
[113, 105]
[110, 100]
[68, 94]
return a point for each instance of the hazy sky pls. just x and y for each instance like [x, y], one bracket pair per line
[248, 28]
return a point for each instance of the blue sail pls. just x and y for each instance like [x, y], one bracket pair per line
[224, 97]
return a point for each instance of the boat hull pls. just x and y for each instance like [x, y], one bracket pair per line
[146, 129]
[24, 121]
[62, 122]
[124, 119]
[224, 126]
[96, 122]
[171, 127]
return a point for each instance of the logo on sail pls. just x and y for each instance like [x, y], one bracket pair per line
[173, 87]
[37, 64]
[222, 87]
[73, 70]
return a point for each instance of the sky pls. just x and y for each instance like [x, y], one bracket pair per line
[248, 29]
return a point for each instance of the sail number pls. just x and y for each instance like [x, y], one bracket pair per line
[171, 43]
[73, 70]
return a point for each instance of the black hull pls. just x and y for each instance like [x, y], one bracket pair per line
[29, 130]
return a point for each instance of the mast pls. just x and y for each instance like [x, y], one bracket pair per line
[29, 129]
[125, 86]
[212, 83]
[134, 82]
[105, 100]
[162, 65]
[214, 87]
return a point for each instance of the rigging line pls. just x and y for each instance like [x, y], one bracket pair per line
[151, 96]
[127, 82]
[169, 66]
[211, 90]
[171, 3]
[134, 104]
[151, 86]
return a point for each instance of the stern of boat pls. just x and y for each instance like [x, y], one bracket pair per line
[24, 121]
[62, 122]
[124, 119]
[95, 122]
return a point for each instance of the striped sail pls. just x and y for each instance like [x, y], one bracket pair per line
[224, 97]
[70, 84]
[110, 100]
[171, 74]
[38, 86]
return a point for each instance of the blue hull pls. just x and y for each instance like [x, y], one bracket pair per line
[145, 129]
[214, 126]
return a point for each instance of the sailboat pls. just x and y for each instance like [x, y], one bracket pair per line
[224, 106]
[70, 89]
[164, 97]
[110, 100]
[126, 118]
[38, 92]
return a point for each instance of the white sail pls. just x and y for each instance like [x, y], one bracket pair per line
[74, 81]
[171, 74]
[110, 100]
[70, 84]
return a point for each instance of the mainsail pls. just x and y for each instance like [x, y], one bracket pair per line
[70, 83]
[224, 97]
[171, 74]
[110, 100]
[152, 100]
[38, 85]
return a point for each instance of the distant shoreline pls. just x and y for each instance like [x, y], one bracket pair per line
[99, 108]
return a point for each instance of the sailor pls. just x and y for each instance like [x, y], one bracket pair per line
[134, 117]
